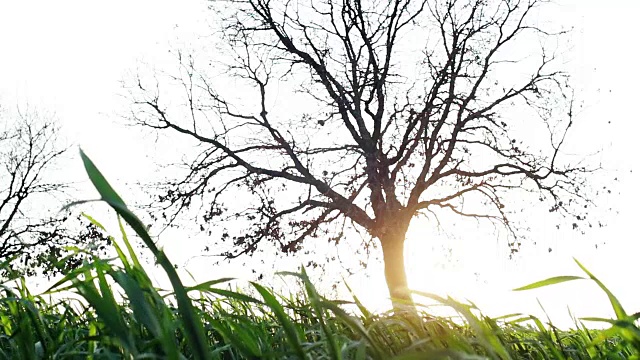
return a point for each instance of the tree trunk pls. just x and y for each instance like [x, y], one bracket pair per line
[394, 271]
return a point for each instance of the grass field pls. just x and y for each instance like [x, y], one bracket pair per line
[115, 312]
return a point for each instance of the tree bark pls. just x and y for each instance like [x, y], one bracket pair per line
[394, 271]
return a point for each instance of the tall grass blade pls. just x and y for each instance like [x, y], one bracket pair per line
[193, 326]
[316, 303]
[617, 307]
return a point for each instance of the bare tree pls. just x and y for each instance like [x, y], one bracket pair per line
[398, 109]
[33, 233]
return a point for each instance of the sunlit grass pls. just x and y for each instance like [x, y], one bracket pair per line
[122, 315]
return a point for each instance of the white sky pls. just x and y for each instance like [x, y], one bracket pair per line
[69, 56]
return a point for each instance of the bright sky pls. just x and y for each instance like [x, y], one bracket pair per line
[69, 56]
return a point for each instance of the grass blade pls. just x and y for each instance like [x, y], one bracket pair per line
[194, 330]
[285, 321]
[617, 307]
[548, 282]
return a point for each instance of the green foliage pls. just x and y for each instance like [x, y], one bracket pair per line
[112, 310]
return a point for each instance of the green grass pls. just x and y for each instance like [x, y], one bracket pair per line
[116, 312]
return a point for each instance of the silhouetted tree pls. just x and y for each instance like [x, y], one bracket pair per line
[33, 235]
[365, 115]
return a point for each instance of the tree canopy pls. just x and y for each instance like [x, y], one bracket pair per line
[318, 118]
[33, 233]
